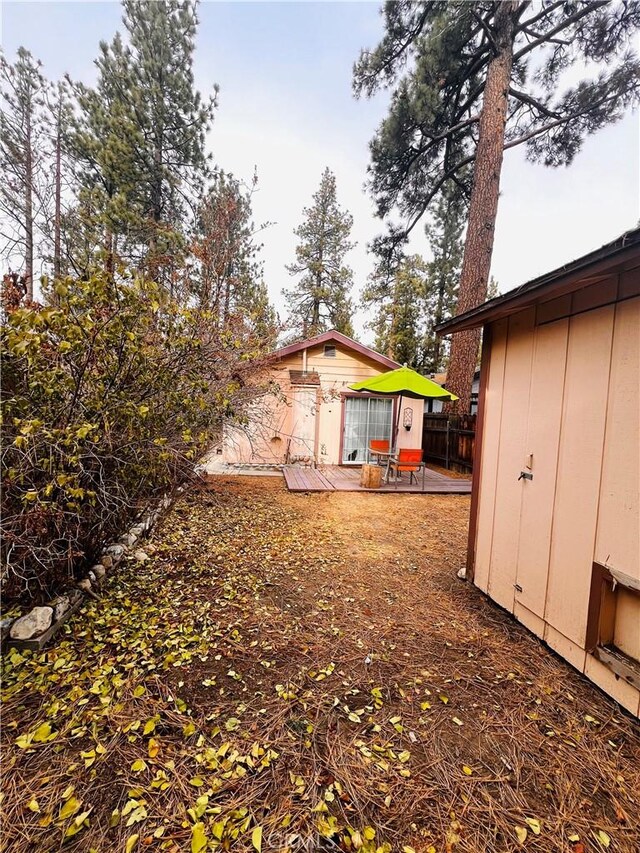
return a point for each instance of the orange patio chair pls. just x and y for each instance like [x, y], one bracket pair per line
[408, 460]
[377, 446]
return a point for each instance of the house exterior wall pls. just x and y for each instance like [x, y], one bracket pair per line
[562, 403]
[272, 425]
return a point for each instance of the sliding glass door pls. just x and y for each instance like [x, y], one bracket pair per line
[365, 418]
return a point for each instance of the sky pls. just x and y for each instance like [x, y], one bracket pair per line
[286, 109]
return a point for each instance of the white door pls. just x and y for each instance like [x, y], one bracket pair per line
[303, 431]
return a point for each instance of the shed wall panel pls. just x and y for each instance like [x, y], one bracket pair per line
[543, 437]
[511, 459]
[578, 482]
[490, 454]
[618, 534]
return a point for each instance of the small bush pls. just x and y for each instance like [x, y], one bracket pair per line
[109, 394]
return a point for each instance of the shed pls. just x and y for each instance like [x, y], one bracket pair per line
[555, 518]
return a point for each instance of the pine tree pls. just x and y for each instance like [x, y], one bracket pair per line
[320, 299]
[140, 138]
[171, 115]
[443, 275]
[398, 297]
[110, 150]
[473, 79]
[59, 189]
[229, 279]
[22, 132]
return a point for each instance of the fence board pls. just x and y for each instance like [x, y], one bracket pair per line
[449, 440]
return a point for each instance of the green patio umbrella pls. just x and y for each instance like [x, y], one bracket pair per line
[403, 382]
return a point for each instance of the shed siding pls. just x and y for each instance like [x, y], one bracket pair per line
[490, 454]
[543, 438]
[578, 482]
[513, 425]
[566, 391]
[618, 536]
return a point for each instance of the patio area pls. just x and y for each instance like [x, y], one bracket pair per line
[329, 478]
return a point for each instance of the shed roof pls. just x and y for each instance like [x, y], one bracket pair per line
[621, 253]
[333, 336]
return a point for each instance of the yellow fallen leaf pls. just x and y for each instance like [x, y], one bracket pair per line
[457, 721]
[198, 838]
[574, 837]
[534, 825]
[139, 765]
[603, 838]
[42, 733]
[33, 806]
[70, 807]
[131, 843]
[521, 832]
[256, 838]
[77, 823]
[467, 770]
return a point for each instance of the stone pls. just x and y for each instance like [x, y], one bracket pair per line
[128, 540]
[61, 605]
[137, 530]
[5, 627]
[141, 556]
[98, 573]
[107, 561]
[34, 623]
[85, 585]
[462, 574]
[115, 551]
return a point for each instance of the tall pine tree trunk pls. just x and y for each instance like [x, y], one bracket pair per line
[28, 208]
[483, 207]
[57, 254]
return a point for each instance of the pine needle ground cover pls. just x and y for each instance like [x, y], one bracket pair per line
[282, 675]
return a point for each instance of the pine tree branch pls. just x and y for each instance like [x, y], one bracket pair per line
[583, 12]
[524, 98]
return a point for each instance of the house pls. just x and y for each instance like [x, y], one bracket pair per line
[554, 531]
[309, 415]
[435, 406]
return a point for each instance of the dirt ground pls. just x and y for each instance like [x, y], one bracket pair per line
[305, 672]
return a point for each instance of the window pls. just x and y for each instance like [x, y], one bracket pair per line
[365, 418]
[329, 351]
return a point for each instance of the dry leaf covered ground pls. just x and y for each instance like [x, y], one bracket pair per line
[305, 672]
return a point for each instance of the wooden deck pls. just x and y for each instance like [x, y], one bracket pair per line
[335, 478]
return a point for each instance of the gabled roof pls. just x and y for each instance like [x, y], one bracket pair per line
[332, 336]
[622, 253]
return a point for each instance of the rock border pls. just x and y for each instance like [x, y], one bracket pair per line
[14, 633]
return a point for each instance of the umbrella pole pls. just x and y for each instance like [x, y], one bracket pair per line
[397, 430]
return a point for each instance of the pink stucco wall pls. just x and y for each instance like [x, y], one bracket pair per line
[275, 421]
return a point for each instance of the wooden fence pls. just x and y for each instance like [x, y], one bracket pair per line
[449, 440]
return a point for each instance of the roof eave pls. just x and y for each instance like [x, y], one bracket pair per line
[544, 287]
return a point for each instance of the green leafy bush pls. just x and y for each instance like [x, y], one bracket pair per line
[109, 395]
